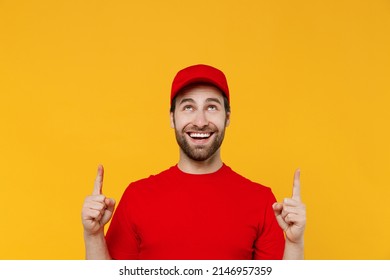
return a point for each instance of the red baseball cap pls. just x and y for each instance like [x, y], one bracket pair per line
[199, 73]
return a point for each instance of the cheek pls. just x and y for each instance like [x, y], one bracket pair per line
[178, 122]
[178, 119]
[219, 121]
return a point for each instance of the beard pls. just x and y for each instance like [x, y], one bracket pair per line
[200, 152]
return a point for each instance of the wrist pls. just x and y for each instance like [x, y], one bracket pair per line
[294, 250]
[94, 236]
[298, 243]
[95, 246]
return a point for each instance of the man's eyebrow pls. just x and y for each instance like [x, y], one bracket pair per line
[213, 100]
[208, 100]
[187, 100]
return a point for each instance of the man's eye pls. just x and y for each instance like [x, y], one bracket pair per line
[212, 108]
[187, 108]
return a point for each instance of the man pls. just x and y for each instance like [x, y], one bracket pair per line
[199, 208]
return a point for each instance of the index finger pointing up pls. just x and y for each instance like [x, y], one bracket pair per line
[296, 193]
[97, 189]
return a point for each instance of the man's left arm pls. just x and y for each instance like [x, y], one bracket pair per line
[291, 217]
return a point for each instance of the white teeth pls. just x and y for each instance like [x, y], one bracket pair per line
[200, 135]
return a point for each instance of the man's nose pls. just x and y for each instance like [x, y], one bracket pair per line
[201, 119]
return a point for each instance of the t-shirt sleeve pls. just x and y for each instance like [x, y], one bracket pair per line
[269, 244]
[121, 238]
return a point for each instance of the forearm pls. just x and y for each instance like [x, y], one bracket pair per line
[293, 251]
[96, 247]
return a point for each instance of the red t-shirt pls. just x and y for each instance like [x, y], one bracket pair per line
[175, 215]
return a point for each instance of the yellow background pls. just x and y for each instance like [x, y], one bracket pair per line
[87, 82]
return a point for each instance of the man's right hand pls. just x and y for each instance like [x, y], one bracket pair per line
[97, 209]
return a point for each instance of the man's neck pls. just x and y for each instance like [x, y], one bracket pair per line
[208, 166]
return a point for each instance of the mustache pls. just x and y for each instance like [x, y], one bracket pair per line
[194, 128]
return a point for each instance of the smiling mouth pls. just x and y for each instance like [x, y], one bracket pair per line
[200, 135]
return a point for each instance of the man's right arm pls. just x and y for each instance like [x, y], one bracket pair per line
[97, 211]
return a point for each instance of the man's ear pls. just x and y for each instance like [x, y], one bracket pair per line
[172, 120]
[227, 119]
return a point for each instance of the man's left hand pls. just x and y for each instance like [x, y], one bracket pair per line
[291, 214]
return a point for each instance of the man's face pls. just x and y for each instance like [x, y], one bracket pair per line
[199, 121]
